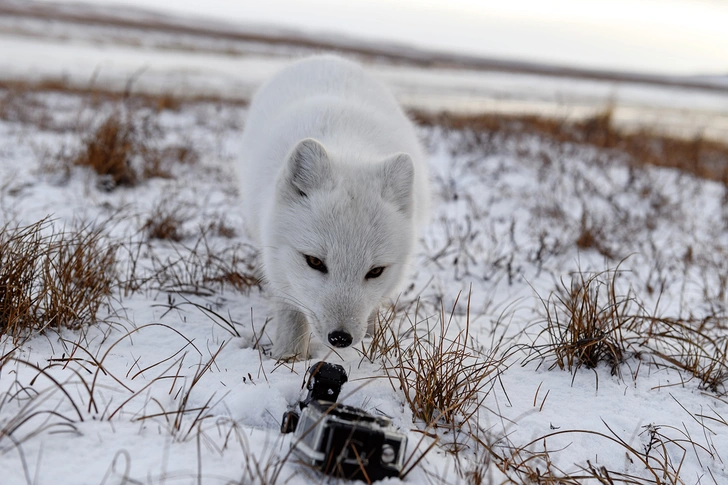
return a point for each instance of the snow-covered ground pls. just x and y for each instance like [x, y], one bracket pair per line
[175, 384]
[509, 215]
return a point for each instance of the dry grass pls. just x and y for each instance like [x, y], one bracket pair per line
[586, 323]
[688, 346]
[183, 420]
[656, 459]
[385, 338]
[17, 104]
[124, 150]
[444, 380]
[592, 236]
[124, 145]
[76, 388]
[110, 151]
[160, 163]
[202, 268]
[260, 467]
[51, 278]
[698, 156]
[17, 90]
[165, 226]
[532, 463]
[165, 221]
[167, 218]
[33, 415]
[220, 227]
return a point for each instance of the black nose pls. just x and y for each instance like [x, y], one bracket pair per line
[338, 338]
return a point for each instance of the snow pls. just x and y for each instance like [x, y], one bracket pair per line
[508, 212]
[120, 428]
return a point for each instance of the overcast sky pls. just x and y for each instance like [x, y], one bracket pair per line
[658, 36]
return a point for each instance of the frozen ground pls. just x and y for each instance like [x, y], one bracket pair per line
[175, 386]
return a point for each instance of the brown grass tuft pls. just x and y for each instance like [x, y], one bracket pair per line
[164, 226]
[591, 236]
[221, 228]
[587, 322]
[124, 151]
[110, 151]
[159, 163]
[165, 221]
[443, 379]
[52, 279]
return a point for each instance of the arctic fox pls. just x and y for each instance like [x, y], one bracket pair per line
[335, 184]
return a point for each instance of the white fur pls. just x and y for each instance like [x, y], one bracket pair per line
[330, 167]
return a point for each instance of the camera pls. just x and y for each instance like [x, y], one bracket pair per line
[340, 440]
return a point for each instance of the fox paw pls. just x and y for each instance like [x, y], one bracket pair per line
[288, 355]
[290, 358]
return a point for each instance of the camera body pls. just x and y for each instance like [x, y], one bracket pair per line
[340, 440]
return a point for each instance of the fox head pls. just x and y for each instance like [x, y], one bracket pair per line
[339, 237]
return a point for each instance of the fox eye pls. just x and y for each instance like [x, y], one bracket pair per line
[375, 272]
[316, 263]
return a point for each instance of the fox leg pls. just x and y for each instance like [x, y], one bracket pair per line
[292, 335]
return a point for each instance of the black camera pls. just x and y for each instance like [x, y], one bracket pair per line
[339, 440]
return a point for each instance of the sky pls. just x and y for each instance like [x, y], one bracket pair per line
[653, 36]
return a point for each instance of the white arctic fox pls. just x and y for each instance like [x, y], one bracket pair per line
[335, 183]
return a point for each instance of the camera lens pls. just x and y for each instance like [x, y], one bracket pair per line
[388, 454]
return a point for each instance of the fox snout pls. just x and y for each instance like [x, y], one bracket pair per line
[339, 338]
[341, 313]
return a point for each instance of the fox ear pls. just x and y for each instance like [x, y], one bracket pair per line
[398, 178]
[309, 167]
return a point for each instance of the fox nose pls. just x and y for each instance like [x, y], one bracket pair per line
[337, 338]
